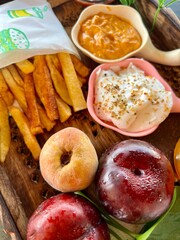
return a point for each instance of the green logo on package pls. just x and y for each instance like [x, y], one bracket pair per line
[11, 39]
[30, 12]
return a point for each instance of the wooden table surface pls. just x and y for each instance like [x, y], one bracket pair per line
[13, 217]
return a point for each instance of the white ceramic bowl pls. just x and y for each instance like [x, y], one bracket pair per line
[147, 50]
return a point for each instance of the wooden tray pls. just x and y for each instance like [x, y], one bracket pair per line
[21, 183]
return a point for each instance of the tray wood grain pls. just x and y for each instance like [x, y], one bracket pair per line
[21, 183]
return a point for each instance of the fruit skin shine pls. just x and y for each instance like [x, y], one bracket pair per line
[135, 181]
[67, 216]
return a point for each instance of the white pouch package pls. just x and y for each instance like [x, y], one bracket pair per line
[29, 28]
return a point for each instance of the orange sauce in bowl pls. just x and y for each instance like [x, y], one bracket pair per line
[108, 36]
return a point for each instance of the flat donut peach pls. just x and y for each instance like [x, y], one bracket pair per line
[68, 160]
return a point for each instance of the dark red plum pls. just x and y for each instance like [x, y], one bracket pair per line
[135, 181]
[67, 216]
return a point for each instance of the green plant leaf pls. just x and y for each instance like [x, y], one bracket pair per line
[171, 2]
[124, 2]
[169, 226]
[150, 227]
[161, 2]
[127, 2]
[133, 2]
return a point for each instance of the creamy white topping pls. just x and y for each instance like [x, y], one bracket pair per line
[131, 100]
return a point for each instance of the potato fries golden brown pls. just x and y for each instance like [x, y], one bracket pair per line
[5, 134]
[56, 62]
[63, 108]
[24, 127]
[17, 91]
[4, 91]
[82, 80]
[81, 69]
[72, 82]
[25, 66]
[44, 87]
[15, 74]
[21, 73]
[45, 121]
[58, 81]
[32, 114]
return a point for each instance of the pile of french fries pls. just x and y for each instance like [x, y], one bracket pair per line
[37, 93]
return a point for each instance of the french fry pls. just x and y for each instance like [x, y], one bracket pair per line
[56, 62]
[63, 108]
[58, 81]
[45, 121]
[44, 87]
[82, 80]
[32, 114]
[15, 74]
[5, 134]
[72, 82]
[81, 69]
[4, 91]
[24, 127]
[17, 91]
[21, 73]
[25, 66]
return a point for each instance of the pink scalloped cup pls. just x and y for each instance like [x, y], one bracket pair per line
[148, 69]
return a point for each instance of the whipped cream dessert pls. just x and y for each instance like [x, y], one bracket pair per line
[131, 100]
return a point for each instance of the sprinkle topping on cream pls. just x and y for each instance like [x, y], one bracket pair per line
[131, 100]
